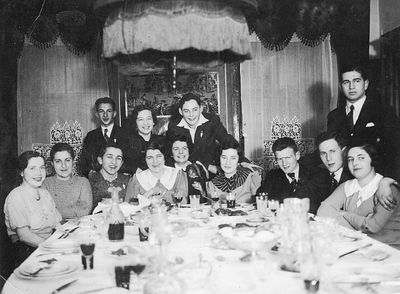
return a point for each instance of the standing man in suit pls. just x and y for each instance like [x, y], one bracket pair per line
[204, 132]
[364, 119]
[96, 139]
[332, 151]
[293, 179]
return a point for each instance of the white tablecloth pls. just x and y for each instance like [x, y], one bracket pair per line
[229, 274]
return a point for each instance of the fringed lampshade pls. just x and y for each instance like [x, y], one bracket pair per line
[144, 35]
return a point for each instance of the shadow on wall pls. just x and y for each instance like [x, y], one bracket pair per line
[321, 102]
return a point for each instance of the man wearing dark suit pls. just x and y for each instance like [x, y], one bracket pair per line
[96, 139]
[204, 131]
[293, 179]
[363, 119]
[332, 147]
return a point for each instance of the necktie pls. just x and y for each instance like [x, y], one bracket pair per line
[293, 183]
[350, 117]
[106, 137]
[334, 183]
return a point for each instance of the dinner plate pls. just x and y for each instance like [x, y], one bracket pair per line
[55, 271]
[59, 245]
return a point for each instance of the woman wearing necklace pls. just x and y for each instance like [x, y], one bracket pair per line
[158, 180]
[30, 211]
[72, 194]
[111, 159]
[241, 181]
[143, 121]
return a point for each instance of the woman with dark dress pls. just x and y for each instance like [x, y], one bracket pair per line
[143, 120]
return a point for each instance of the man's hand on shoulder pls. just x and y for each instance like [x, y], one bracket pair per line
[384, 194]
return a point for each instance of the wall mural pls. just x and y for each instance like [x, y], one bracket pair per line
[156, 91]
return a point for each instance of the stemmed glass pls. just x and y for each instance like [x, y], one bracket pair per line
[178, 196]
[273, 205]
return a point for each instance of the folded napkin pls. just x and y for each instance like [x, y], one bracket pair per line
[127, 209]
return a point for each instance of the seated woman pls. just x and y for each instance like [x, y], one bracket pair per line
[241, 181]
[354, 203]
[196, 173]
[30, 211]
[158, 180]
[72, 194]
[143, 120]
[111, 159]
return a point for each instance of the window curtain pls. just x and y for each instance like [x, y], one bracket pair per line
[390, 69]
[299, 81]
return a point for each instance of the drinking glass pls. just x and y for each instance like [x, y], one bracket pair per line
[194, 202]
[262, 203]
[215, 200]
[230, 200]
[87, 248]
[178, 196]
[273, 205]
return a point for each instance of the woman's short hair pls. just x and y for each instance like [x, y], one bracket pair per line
[155, 146]
[140, 108]
[180, 138]
[369, 149]
[24, 158]
[231, 144]
[59, 147]
[109, 145]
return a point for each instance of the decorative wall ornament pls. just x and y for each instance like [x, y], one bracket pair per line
[285, 128]
[71, 133]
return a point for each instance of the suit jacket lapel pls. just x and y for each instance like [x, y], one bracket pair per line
[365, 115]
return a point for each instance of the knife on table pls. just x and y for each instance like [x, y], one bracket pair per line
[67, 232]
[352, 251]
[63, 286]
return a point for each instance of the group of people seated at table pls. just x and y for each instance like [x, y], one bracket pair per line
[198, 157]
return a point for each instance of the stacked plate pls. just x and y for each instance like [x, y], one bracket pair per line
[41, 271]
[59, 245]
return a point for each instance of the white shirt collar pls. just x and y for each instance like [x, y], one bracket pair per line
[184, 124]
[148, 181]
[109, 129]
[364, 193]
[296, 174]
[338, 174]
[357, 108]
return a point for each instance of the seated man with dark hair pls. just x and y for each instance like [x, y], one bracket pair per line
[292, 179]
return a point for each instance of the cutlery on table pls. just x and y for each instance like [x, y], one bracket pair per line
[60, 253]
[67, 232]
[355, 250]
[63, 286]
[32, 274]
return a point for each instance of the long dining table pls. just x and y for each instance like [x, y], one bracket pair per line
[375, 268]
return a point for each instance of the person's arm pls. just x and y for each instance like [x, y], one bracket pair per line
[375, 221]
[181, 186]
[255, 178]
[384, 193]
[25, 235]
[333, 205]
[84, 205]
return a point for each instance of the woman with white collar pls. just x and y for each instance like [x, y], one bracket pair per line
[354, 203]
[158, 180]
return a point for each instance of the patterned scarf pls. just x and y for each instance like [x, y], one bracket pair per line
[237, 180]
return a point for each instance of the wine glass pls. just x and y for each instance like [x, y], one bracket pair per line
[87, 248]
[273, 205]
[178, 196]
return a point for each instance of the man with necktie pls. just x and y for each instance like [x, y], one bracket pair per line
[364, 119]
[332, 151]
[293, 179]
[96, 139]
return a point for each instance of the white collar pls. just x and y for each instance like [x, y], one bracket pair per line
[179, 167]
[148, 181]
[338, 174]
[296, 174]
[184, 124]
[357, 107]
[364, 193]
[109, 129]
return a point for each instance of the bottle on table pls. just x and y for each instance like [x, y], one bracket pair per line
[115, 217]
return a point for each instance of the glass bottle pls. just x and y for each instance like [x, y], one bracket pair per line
[115, 217]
